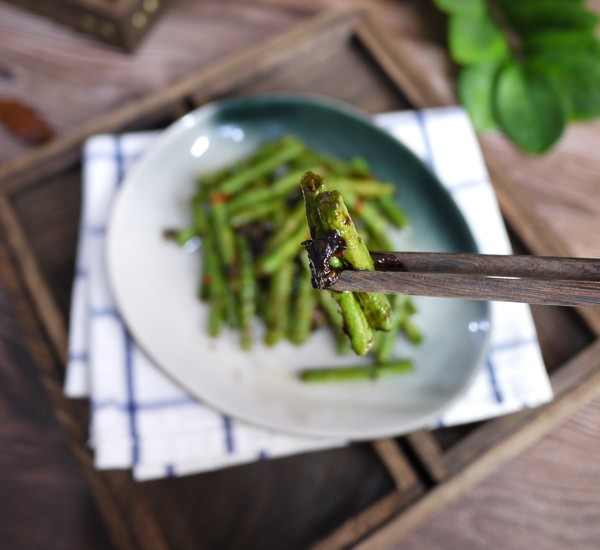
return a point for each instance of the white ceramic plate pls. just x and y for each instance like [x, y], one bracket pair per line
[155, 282]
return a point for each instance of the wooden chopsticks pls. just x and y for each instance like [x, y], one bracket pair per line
[530, 279]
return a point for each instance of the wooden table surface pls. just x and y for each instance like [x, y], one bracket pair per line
[548, 497]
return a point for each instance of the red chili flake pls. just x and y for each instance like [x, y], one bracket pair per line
[24, 121]
[358, 205]
[219, 198]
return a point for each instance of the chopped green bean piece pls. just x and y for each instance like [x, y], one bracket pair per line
[273, 260]
[222, 231]
[288, 228]
[278, 307]
[368, 189]
[216, 289]
[247, 292]
[303, 306]
[291, 149]
[369, 372]
[259, 211]
[278, 190]
[393, 212]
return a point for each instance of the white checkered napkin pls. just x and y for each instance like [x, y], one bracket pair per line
[142, 420]
[514, 376]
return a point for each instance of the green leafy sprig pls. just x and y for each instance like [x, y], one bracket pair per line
[529, 66]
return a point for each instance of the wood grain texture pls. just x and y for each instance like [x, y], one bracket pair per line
[42, 489]
[283, 503]
[545, 498]
[565, 377]
[429, 453]
[156, 110]
[88, 79]
[41, 482]
[52, 232]
[447, 492]
[113, 495]
[472, 287]
[52, 321]
[495, 265]
[367, 520]
[535, 198]
[396, 463]
[561, 187]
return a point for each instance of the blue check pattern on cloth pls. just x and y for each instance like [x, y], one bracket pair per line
[142, 420]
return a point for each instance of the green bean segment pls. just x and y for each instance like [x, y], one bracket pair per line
[346, 374]
[335, 217]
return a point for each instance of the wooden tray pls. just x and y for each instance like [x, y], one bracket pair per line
[374, 493]
[121, 23]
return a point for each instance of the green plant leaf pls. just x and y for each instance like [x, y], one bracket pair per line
[476, 91]
[504, 4]
[529, 65]
[578, 78]
[475, 38]
[573, 40]
[549, 14]
[461, 6]
[528, 108]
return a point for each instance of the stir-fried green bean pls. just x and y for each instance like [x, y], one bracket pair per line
[369, 372]
[250, 220]
[334, 215]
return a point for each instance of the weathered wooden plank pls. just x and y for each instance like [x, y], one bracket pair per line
[368, 520]
[550, 416]
[396, 463]
[126, 517]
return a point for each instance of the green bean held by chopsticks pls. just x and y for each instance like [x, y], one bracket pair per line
[335, 217]
[355, 323]
[313, 186]
[332, 313]
[372, 220]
